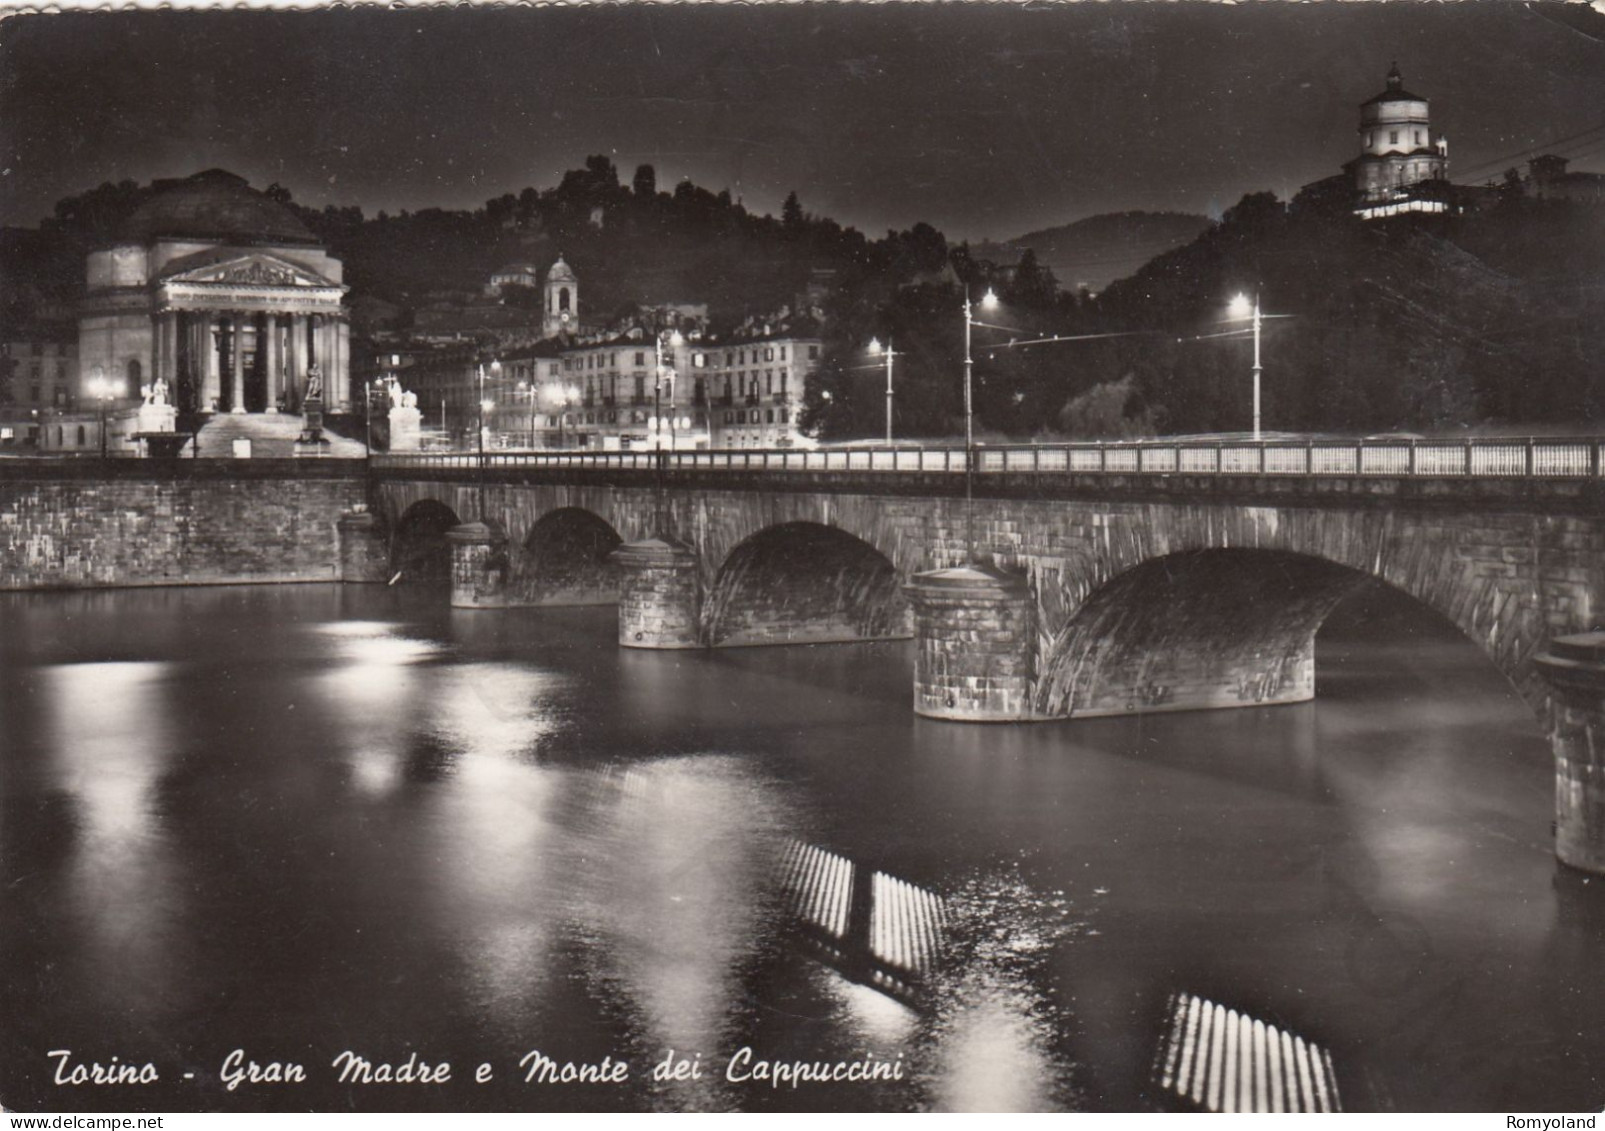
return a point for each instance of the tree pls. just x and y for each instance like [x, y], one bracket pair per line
[1033, 285]
[1105, 412]
[646, 181]
[791, 213]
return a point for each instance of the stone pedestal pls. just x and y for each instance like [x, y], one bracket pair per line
[156, 418]
[974, 643]
[156, 429]
[406, 428]
[660, 595]
[364, 552]
[478, 566]
[311, 442]
[1574, 667]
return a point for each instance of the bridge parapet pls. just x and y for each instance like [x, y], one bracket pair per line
[1478, 457]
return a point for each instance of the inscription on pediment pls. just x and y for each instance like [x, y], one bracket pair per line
[255, 272]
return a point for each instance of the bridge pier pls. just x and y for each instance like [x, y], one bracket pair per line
[1574, 667]
[975, 644]
[660, 594]
[364, 552]
[478, 566]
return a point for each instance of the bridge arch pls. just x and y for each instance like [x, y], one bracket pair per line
[564, 560]
[419, 550]
[1234, 625]
[804, 582]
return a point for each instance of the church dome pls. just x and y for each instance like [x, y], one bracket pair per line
[560, 271]
[216, 205]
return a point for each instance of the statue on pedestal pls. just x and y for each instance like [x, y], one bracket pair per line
[405, 420]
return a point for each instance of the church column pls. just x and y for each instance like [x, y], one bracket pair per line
[212, 336]
[237, 362]
[158, 348]
[298, 358]
[315, 348]
[270, 347]
[326, 359]
[169, 370]
[342, 354]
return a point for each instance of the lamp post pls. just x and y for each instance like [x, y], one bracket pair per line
[675, 341]
[988, 302]
[367, 415]
[1243, 307]
[101, 389]
[495, 369]
[875, 348]
[484, 408]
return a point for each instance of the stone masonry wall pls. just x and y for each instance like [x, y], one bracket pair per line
[74, 531]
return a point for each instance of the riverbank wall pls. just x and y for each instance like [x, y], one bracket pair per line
[95, 524]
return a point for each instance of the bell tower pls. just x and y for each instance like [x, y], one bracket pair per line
[561, 312]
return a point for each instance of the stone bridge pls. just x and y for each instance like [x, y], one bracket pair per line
[1045, 596]
[1034, 587]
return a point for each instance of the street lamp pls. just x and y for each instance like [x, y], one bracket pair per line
[988, 302]
[484, 407]
[495, 368]
[675, 341]
[875, 348]
[571, 397]
[367, 414]
[1242, 307]
[101, 389]
[532, 389]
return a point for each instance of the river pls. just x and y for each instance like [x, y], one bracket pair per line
[307, 821]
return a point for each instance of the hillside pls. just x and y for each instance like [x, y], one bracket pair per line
[1410, 323]
[1097, 250]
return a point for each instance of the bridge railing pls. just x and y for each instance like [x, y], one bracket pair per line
[1482, 457]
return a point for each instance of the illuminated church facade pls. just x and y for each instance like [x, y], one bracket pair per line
[221, 296]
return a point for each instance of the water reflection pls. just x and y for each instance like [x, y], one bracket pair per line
[673, 894]
[317, 815]
[1225, 1061]
[106, 726]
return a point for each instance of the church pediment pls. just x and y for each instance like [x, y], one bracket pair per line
[247, 269]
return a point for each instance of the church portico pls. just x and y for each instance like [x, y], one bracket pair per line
[264, 323]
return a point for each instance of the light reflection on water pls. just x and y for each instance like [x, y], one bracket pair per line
[356, 819]
[122, 888]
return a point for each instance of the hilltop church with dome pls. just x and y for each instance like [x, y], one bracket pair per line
[220, 296]
[1399, 154]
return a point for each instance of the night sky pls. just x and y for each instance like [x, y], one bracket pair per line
[986, 121]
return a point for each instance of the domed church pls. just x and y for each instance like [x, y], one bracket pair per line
[1399, 153]
[220, 296]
